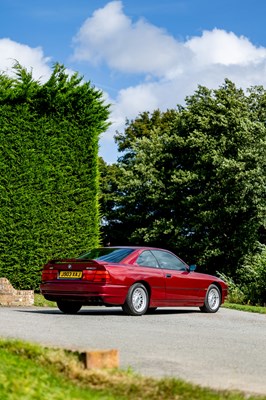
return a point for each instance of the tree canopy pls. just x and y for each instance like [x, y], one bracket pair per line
[193, 179]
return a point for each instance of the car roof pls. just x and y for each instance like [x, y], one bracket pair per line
[133, 247]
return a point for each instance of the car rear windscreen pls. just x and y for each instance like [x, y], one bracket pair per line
[114, 255]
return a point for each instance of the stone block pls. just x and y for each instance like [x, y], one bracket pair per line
[12, 297]
[102, 359]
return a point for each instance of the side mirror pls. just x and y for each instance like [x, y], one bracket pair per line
[192, 268]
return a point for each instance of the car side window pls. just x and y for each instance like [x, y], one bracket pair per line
[147, 259]
[169, 261]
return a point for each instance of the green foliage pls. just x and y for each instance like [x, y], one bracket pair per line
[235, 292]
[249, 285]
[40, 301]
[48, 171]
[193, 179]
[109, 196]
[33, 372]
[252, 277]
[21, 377]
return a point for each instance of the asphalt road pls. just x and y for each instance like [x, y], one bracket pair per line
[226, 350]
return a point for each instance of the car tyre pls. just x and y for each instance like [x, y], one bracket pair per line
[212, 300]
[69, 307]
[137, 301]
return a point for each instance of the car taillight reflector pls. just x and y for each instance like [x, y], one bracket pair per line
[88, 275]
[101, 277]
[49, 275]
[96, 276]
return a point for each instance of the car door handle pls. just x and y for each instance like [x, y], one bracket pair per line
[168, 275]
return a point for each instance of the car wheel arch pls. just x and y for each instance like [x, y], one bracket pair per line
[147, 286]
[207, 307]
[215, 284]
[130, 307]
[218, 286]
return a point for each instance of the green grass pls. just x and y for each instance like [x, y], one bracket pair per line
[23, 379]
[30, 372]
[245, 307]
[39, 301]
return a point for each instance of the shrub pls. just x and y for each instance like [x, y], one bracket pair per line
[235, 294]
[252, 277]
[48, 171]
[249, 285]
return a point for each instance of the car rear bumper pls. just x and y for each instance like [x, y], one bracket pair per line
[86, 293]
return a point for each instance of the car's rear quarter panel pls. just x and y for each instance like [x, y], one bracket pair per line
[125, 276]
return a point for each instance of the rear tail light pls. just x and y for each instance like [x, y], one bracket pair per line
[102, 277]
[96, 276]
[87, 275]
[49, 275]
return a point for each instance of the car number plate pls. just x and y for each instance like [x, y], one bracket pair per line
[70, 274]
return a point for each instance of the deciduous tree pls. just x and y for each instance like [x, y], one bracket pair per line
[195, 182]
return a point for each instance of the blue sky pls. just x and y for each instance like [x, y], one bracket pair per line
[143, 54]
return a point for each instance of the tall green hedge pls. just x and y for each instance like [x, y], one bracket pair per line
[48, 171]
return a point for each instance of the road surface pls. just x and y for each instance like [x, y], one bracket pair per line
[226, 350]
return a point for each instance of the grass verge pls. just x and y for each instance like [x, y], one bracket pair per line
[39, 301]
[243, 307]
[29, 371]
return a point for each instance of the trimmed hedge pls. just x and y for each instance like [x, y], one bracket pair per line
[48, 171]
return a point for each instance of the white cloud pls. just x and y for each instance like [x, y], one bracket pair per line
[32, 59]
[170, 69]
[126, 46]
[141, 47]
[221, 47]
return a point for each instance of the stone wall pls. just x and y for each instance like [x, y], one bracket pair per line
[12, 297]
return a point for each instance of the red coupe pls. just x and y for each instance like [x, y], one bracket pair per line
[139, 279]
